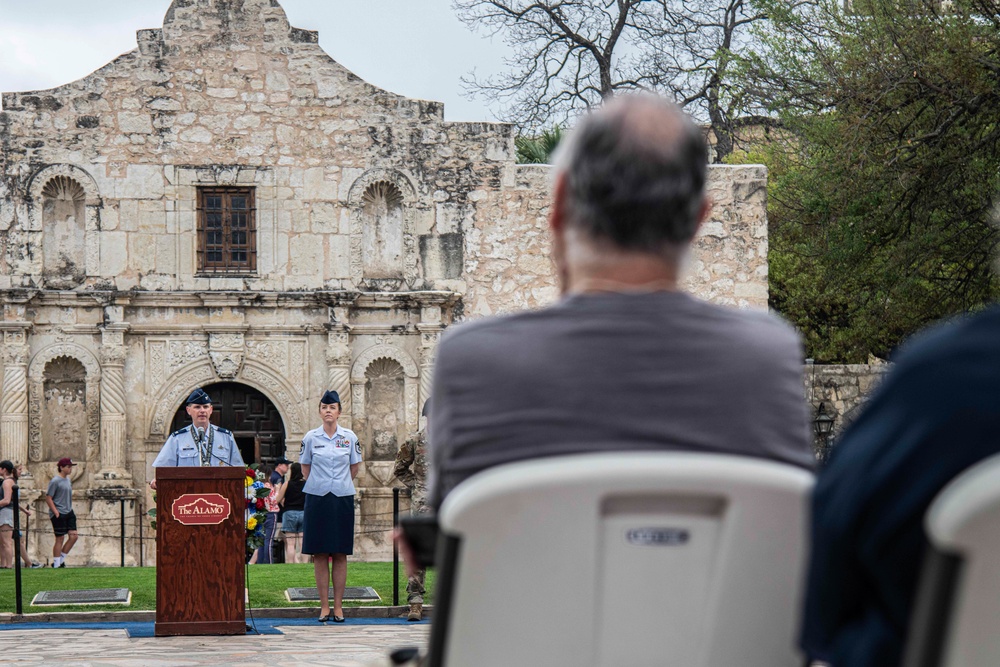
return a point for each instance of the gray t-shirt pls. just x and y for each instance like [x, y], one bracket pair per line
[61, 491]
[614, 372]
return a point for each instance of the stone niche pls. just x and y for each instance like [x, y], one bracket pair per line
[64, 409]
[64, 233]
[385, 423]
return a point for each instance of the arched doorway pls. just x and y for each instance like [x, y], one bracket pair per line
[250, 415]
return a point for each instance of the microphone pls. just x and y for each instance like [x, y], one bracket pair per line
[200, 433]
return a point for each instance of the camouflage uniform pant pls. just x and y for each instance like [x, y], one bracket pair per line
[415, 587]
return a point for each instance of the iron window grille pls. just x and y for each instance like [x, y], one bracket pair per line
[227, 231]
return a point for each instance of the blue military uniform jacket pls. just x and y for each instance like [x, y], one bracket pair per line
[182, 450]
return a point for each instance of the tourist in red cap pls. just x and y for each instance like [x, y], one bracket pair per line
[59, 498]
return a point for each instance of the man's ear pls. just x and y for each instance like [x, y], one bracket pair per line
[557, 211]
[703, 213]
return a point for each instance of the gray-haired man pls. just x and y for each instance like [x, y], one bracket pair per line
[625, 360]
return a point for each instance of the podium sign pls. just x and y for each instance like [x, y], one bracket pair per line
[200, 547]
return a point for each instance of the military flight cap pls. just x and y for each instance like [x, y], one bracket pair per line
[330, 397]
[199, 397]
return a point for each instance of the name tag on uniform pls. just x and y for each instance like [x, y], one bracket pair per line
[188, 449]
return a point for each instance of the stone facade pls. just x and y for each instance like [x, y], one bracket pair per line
[374, 225]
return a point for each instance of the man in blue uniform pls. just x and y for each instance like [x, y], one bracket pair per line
[200, 444]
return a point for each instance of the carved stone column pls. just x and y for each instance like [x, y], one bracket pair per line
[430, 328]
[14, 396]
[113, 464]
[338, 362]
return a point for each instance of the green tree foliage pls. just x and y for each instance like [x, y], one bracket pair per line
[538, 149]
[883, 179]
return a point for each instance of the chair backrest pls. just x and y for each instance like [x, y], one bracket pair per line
[667, 559]
[957, 617]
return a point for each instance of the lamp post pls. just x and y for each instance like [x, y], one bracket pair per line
[823, 427]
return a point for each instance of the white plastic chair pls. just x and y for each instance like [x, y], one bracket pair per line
[957, 618]
[667, 559]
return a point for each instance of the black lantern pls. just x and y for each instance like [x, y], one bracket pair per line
[823, 422]
[823, 427]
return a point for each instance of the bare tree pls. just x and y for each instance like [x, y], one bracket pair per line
[568, 55]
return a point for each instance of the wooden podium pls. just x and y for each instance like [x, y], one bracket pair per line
[200, 551]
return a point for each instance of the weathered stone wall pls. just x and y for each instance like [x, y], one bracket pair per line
[842, 389]
[377, 226]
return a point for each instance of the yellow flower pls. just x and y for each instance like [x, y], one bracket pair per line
[247, 482]
[251, 523]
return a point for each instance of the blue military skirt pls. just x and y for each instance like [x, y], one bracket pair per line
[328, 524]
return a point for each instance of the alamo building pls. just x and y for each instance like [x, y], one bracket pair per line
[227, 207]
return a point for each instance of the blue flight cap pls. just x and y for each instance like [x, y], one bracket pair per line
[330, 397]
[199, 397]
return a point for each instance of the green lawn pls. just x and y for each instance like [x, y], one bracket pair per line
[267, 585]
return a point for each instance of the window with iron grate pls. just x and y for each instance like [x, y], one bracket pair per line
[227, 231]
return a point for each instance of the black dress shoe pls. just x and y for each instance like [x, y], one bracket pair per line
[323, 619]
[338, 619]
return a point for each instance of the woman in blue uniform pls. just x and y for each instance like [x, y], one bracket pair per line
[330, 458]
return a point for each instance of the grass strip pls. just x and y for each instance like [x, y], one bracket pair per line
[267, 585]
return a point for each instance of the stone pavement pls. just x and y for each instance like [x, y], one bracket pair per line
[352, 644]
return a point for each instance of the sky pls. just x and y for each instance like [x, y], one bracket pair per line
[415, 48]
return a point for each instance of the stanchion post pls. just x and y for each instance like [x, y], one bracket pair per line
[16, 503]
[395, 547]
[142, 544]
[122, 515]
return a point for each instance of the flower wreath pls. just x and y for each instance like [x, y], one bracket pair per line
[256, 513]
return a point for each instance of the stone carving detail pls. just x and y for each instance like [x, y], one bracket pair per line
[90, 428]
[382, 351]
[93, 419]
[428, 349]
[339, 380]
[272, 353]
[14, 337]
[156, 363]
[297, 370]
[385, 416]
[227, 364]
[383, 246]
[338, 351]
[382, 231]
[407, 417]
[64, 228]
[225, 340]
[14, 399]
[113, 412]
[64, 409]
[14, 404]
[181, 353]
[226, 352]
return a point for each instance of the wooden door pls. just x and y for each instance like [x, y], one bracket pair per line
[249, 414]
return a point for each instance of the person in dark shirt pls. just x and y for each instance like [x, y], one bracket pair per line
[292, 501]
[936, 413]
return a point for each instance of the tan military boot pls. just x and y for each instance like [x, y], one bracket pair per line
[416, 612]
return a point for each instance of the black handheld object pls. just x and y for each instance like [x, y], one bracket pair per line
[421, 533]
